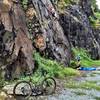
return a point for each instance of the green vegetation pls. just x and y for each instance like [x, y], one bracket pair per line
[83, 85]
[80, 93]
[2, 82]
[85, 58]
[63, 3]
[97, 14]
[97, 98]
[95, 22]
[54, 69]
[94, 6]
[97, 72]
[92, 75]
[24, 4]
[67, 2]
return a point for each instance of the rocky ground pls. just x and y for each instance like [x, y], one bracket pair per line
[67, 91]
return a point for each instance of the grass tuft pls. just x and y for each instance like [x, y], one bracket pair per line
[85, 58]
[84, 85]
[80, 93]
[54, 68]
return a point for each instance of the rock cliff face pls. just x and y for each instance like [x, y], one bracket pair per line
[15, 43]
[77, 27]
[15, 47]
[56, 45]
[86, 7]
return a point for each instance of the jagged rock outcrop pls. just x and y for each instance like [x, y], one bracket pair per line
[15, 47]
[86, 7]
[75, 22]
[56, 45]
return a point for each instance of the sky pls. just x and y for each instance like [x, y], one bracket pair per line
[98, 3]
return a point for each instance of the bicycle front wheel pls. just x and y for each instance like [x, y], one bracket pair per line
[22, 88]
[49, 85]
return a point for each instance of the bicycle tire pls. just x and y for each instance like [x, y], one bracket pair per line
[19, 83]
[45, 89]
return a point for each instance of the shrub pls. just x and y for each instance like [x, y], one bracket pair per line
[54, 68]
[85, 58]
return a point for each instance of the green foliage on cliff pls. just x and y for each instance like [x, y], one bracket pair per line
[24, 4]
[2, 82]
[94, 6]
[63, 3]
[93, 3]
[97, 14]
[67, 1]
[54, 69]
[85, 57]
[95, 21]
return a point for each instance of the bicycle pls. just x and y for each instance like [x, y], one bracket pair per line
[27, 88]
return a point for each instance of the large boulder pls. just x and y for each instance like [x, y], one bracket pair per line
[15, 46]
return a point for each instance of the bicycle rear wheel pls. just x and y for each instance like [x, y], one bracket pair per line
[22, 88]
[49, 85]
